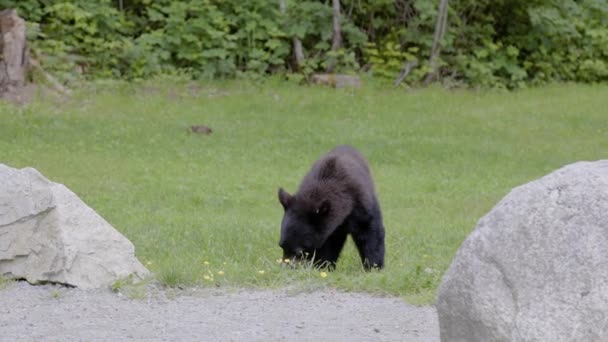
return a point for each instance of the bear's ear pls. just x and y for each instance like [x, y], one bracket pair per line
[323, 208]
[285, 198]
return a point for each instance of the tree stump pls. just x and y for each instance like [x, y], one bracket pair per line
[14, 58]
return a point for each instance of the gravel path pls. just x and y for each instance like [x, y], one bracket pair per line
[52, 313]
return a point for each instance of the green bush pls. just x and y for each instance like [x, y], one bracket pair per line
[488, 43]
[208, 39]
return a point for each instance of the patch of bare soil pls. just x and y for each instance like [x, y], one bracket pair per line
[53, 313]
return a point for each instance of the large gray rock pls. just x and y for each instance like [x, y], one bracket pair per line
[536, 266]
[47, 234]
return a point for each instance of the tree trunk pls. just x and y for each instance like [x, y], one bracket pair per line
[14, 56]
[298, 50]
[442, 19]
[337, 37]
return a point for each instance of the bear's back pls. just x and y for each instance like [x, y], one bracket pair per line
[342, 170]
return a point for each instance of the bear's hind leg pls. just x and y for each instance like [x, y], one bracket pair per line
[370, 243]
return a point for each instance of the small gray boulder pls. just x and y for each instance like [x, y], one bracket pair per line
[536, 266]
[47, 234]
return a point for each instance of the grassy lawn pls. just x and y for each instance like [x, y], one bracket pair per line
[202, 210]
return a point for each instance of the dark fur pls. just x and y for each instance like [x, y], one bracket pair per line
[336, 198]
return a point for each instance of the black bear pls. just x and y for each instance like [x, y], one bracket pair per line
[336, 198]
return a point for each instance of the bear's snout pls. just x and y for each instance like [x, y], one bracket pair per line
[291, 253]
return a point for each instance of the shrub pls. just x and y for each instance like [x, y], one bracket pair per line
[488, 43]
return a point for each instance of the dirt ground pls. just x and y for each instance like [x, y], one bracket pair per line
[54, 313]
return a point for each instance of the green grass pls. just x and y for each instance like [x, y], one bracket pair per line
[196, 205]
[4, 282]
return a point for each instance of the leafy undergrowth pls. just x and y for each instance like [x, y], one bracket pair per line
[202, 209]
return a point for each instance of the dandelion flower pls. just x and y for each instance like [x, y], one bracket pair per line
[261, 271]
[323, 274]
[206, 262]
[287, 261]
[220, 272]
[206, 277]
[149, 263]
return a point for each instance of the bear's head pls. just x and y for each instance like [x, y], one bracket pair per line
[305, 226]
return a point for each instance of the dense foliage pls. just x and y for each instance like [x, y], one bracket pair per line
[489, 43]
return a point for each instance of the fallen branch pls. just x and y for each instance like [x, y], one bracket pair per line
[53, 82]
[405, 71]
[337, 81]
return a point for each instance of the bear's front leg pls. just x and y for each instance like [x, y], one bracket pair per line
[328, 254]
